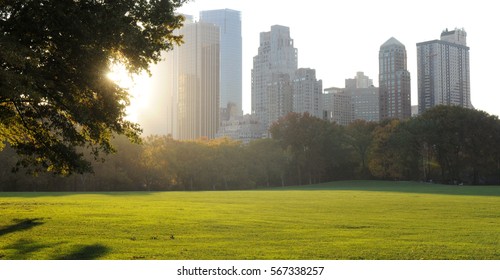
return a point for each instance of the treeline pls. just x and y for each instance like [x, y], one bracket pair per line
[450, 145]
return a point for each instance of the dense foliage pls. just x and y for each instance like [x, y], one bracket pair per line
[55, 98]
[448, 145]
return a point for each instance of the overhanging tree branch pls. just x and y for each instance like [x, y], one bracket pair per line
[58, 53]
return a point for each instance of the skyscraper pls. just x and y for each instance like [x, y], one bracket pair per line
[193, 79]
[364, 98]
[394, 81]
[275, 62]
[359, 81]
[443, 71]
[307, 91]
[337, 106]
[229, 22]
[279, 91]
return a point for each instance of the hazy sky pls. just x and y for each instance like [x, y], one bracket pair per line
[339, 38]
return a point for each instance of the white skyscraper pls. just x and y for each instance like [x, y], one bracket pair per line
[275, 62]
[443, 71]
[229, 22]
[307, 91]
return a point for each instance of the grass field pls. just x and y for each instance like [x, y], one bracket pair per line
[341, 220]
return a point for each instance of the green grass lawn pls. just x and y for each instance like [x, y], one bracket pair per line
[341, 220]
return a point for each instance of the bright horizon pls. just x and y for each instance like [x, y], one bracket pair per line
[341, 38]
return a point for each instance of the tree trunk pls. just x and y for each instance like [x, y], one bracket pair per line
[299, 173]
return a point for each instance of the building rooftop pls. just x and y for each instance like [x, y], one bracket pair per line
[391, 42]
[451, 32]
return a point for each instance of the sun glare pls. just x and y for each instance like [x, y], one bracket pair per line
[138, 86]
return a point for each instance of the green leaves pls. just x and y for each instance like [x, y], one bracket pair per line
[54, 58]
[448, 144]
[464, 142]
[313, 146]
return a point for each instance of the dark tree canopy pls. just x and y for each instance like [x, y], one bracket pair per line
[449, 145]
[312, 145]
[55, 98]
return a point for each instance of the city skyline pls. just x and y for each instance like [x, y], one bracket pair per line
[337, 45]
[355, 35]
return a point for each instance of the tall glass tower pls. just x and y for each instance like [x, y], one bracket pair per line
[229, 22]
[394, 81]
[193, 83]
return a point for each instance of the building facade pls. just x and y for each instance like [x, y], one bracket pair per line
[337, 106]
[443, 71]
[359, 81]
[394, 81]
[279, 92]
[241, 128]
[307, 91]
[193, 83]
[229, 23]
[365, 103]
[273, 69]
[364, 98]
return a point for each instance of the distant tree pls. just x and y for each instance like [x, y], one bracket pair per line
[385, 159]
[464, 142]
[121, 171]
[8, 159]
[267, 162]
[54, 57]
[158, 160]
[228, 163]
[359, 136]
[310, 143]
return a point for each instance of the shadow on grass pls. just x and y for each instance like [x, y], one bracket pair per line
[21, 225]
[85, 252]
[24, 248]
